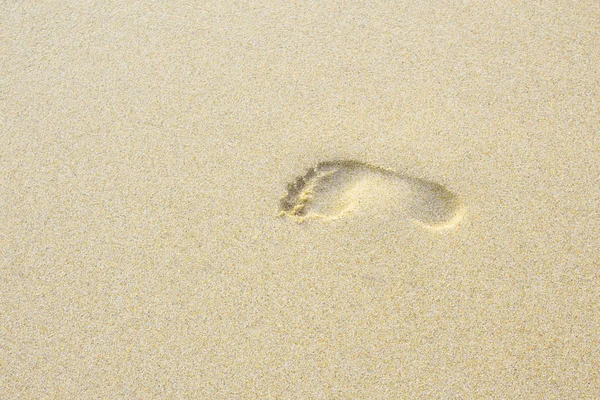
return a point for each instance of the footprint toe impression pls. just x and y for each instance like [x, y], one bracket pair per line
[335, 188]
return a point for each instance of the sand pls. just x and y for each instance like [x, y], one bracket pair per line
[147, 150]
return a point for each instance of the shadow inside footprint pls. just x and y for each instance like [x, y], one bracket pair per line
[334, 188]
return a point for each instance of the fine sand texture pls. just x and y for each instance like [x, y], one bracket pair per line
[299, 200]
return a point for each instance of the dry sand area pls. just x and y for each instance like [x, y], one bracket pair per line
[299, 200]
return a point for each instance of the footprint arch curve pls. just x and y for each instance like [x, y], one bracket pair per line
[332, 189]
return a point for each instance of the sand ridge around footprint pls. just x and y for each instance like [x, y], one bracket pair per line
[335, 188]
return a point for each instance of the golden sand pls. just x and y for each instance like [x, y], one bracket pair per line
[146, 147]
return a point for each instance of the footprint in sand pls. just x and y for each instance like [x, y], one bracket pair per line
[336, 188]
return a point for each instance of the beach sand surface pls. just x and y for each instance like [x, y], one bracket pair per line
[287, 200]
